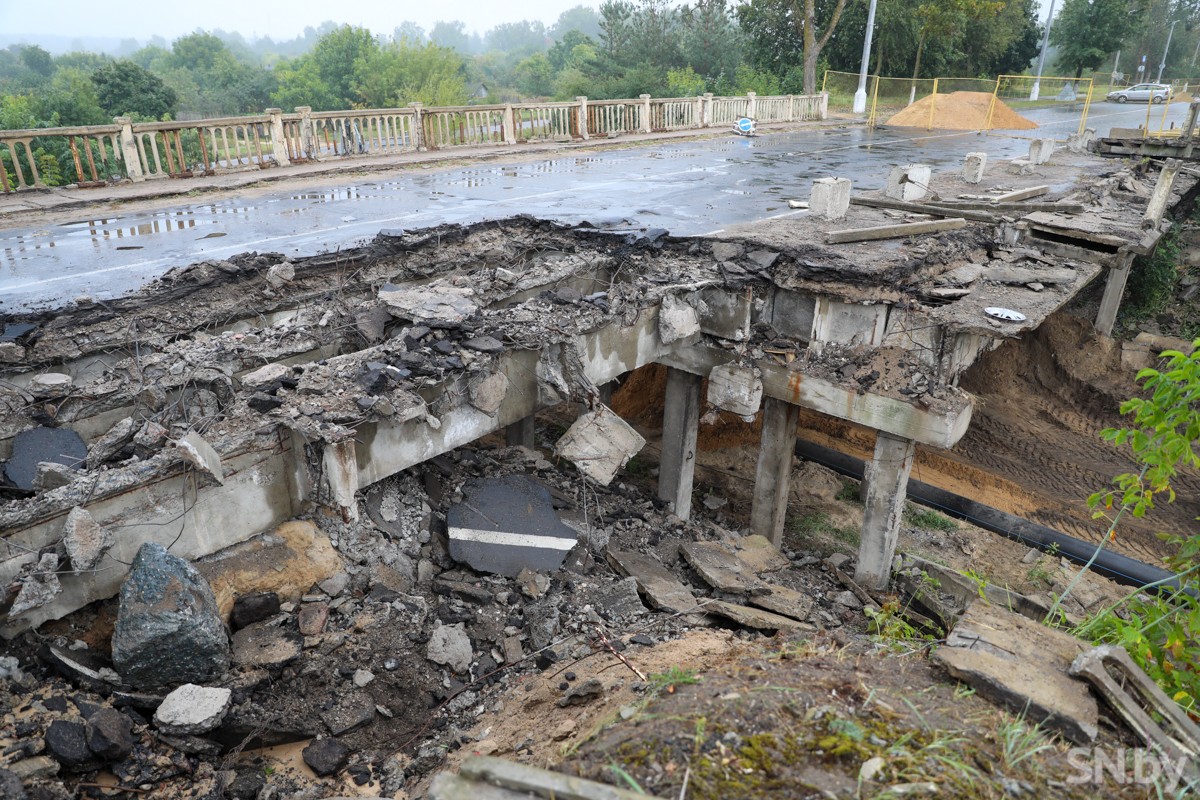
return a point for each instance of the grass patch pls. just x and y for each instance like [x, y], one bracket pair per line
[928, 519]
[675, 676]
[1152, 280]
[850, 492]
[812, 525]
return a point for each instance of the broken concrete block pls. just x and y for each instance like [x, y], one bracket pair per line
[736, 389]
[1040, 151]
[1021, 664]
[973, 166]
[266, 378]
[727, 251]
[340, 464]
[487, 394]
[200, 454]
[1020, 166]
[450, 646]
[263, 646]
[599, 443]
[39, 587]
[677, 321]
[720, 568]
[784, 601]
[830, 198]
[193, 709]
[279, 275]
[430, 303]
[168, 629]
[149, 439]
[504, 525]
[50, 384]
[85, 540]
[751, 617]
[371, 321]
[110, 443]
[908, 183]
[51, 476]
[37, 445]
[1079, 142]
[11, 353]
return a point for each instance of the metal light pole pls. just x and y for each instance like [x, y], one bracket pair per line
[1036, 91]
[860, 96]
[1162, 64]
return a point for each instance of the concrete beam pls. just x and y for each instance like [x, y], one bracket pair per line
[894, 231]
[886, 482]
[681, 423]
[1114, 290]
[1157, 205]
[521, 433]
[940, 426]
[768, 512]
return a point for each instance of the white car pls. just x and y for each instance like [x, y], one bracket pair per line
[1154, 92]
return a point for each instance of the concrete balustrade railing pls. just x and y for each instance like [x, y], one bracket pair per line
[187, 149]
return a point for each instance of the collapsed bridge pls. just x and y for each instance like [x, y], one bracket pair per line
[231, 396]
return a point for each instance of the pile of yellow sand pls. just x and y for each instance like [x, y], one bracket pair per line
[961, 111]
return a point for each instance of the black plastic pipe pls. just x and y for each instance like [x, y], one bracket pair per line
[1120, 568]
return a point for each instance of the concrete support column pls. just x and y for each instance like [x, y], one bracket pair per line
[1189, 129]
[883, 506]
[751, 104]
[681, 424]
[418, 126]
[1114, 290]
[308, 134]
[1157, 205]
[129, 151]
[340, 464]
[521, 433]
[706, 110]
[279, 151]
[645, 113]
[583, 116]
[768, 513]
[510, 125]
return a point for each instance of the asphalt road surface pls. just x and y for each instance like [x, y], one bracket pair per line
[687, 187]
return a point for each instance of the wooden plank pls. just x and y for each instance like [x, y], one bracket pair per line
[506, 774]
[1022, 194]
[894, 231]
[920, 208]
[1062, 208]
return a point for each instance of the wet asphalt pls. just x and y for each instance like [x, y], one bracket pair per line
[686, 187]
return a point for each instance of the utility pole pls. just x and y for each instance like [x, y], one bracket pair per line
[1036, 91]
[860, 96]
[1162, 64]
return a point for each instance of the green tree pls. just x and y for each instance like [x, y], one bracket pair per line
[577, 18]
[453, 35]
[1088, 31]
[37, 60]
[777, 30]
[336, 56]
[521, 38]
[535, 76]
[70, 100]
[402, 73]
[710, 41]
[124, 88]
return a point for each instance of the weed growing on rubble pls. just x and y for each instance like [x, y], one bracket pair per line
[1019, 741]
[675, 676]
[1152, 280]
[1160, 629]
[849, 493]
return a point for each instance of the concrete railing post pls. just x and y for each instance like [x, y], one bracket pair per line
[583, 116]
[751, 105]
[791, 107]
[699, 111]
[510, 125]
[824, 106]
[706, 108]
[279, 150]
[308, 134]
[646, 113]
[129, 151]
[418, 126]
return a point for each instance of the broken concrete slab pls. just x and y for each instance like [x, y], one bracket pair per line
[487, 393]
[1022, 665]
[721, 568]
[266, 378]
[430, 303]
[759, 554]
[38, 445]
[599, 443]
[783, 601]
[507, 524]
[192, 709]
[1022, 275]
[85, 540]
[200, 454]
[38, 587]
[735, 388]
[751, 617]
[657, 584]
[111, 443]
[894, 231]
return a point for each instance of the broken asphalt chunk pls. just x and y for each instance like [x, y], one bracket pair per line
[599, 443]
[430, 303]
[38, 445]
[506, 524]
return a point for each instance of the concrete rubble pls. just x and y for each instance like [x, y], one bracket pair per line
[418, 567]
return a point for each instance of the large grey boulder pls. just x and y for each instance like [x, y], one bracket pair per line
[168, 629]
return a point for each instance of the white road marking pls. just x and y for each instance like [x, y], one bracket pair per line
[511, 539]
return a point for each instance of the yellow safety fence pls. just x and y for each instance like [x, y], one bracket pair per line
[1058, 107]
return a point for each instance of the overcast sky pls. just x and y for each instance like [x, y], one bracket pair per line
[279, 20]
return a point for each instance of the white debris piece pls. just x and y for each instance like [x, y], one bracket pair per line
[735, 388]
[201, 455]
[599, 443]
